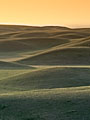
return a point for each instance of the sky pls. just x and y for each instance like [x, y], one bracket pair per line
[72, 13]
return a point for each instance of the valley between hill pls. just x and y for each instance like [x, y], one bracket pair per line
[44, 73]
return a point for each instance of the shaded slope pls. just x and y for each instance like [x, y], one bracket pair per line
[47, 78]
[19, 41]
[55, 104]
[69, 56]
[8, 65]
[29, 45]
[28, 38]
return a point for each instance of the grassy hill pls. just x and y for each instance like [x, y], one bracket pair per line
[69, 56]
[45, 78]
[44, 73]
[54, 104]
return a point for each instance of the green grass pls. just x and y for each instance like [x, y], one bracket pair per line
[44, 78]
[54, 104]
[45, 93]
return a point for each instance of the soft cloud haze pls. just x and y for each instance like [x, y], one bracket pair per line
[73, 13]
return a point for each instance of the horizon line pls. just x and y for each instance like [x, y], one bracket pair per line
[38, 25]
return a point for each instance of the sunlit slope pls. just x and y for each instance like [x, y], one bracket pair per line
[46, 78]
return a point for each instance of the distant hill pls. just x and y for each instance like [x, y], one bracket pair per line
[47, 45]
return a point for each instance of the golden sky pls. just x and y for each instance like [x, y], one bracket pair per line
[71, 13]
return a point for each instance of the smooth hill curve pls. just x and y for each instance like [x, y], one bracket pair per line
[12, 65]
[65, 54]
[48, 78]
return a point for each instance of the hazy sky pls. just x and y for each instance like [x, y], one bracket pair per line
[46, 12]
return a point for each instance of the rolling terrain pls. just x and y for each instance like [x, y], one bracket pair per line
[44, 73]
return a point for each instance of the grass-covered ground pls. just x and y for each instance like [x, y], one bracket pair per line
[45, 93]
[44, 78]
[44, 73]
[48, 104]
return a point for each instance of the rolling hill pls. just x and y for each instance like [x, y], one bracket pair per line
[44, 73]
[47, 78]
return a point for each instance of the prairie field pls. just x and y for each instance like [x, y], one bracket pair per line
[44, 73]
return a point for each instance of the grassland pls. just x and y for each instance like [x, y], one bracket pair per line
[44, 73]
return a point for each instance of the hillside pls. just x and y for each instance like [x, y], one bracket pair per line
[20, 42]
[44, 73]
[46, 78]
